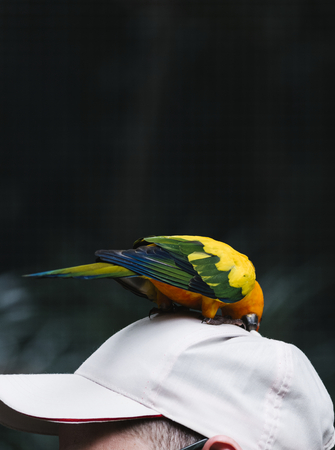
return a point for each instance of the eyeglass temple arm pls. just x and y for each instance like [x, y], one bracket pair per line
[197, 445]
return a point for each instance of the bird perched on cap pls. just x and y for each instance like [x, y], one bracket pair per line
[192, 271]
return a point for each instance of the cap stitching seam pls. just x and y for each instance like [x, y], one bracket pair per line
[275, 397]
[330, 443]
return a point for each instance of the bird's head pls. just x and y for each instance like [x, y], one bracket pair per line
[255, 302]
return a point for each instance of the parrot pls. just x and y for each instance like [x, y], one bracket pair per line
[193, 272]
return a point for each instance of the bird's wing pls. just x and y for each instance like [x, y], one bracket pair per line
[155, 262]
[230, 274]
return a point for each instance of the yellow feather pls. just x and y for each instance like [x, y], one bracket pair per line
[197, 255]
[242, 271]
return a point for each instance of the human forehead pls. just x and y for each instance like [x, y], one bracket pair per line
[101, 436]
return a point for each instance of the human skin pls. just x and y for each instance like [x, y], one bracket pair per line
[108, 436]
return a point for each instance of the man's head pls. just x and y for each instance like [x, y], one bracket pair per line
[214, 380]
[143, 434]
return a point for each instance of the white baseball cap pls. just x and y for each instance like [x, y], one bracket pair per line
[263, 393]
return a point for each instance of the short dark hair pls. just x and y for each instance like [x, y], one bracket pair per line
[162, 433]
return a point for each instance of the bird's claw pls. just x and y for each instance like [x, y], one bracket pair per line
[172, 309]
[219, 320]
[155, 310]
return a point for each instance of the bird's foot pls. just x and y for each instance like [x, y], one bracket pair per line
[219, 320]
[155, 310]
[172, 309]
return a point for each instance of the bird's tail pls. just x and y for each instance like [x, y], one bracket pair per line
[88, 271]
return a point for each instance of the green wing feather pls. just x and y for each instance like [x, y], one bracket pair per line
[229, 273]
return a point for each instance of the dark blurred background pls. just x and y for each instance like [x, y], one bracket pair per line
[121, 119]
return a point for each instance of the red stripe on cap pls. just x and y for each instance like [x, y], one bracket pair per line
[96, 420]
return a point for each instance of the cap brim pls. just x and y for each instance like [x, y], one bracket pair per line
[38, 403]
